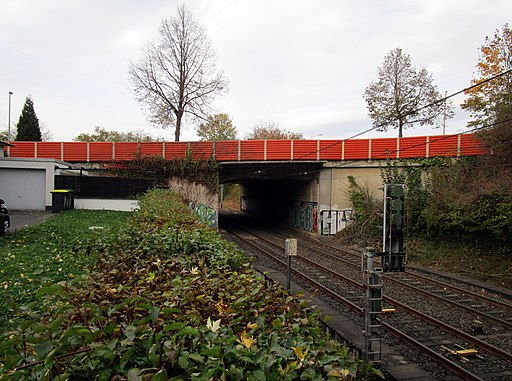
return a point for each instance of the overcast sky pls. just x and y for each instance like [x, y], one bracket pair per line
[303, 64]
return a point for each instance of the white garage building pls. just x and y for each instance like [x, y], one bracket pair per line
[26, 184]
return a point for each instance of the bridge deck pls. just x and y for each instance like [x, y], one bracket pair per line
[256, 150]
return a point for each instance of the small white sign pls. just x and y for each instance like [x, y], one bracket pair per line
[290, 246]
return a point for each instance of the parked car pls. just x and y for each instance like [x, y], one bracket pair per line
[5, 220]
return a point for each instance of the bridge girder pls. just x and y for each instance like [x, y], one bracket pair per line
[251, 171]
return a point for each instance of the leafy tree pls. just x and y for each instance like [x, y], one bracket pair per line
[217, 127]
[102, 135]
[271, 130]
[499, 140]
[468, 203]
[403, 95]
[28, 123]
[488, 101]
[177, 75]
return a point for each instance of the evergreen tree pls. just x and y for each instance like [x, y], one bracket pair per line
[28, 124]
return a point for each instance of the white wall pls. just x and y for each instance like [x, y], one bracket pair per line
[106, 204]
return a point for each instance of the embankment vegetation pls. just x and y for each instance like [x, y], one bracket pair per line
[164, 298]
[458, 211]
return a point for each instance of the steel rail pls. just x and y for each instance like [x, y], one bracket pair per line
[457, 332]
[501, 322]
[494, 319]
[440, 359]
[417, 269]
[504, 323]
[330, 292]
[437, 357]
[462, 335]
[497, 303]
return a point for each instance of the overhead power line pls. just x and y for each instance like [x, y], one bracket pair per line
[415, 146]
[441, 100]
[436, 102]
[440, 138]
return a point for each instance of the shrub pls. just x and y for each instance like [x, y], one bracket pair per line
[367, 225]
[170, 299]
[469, 202]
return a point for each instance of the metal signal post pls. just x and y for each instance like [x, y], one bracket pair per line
[393, 256]
[373, 306]
[290, 250]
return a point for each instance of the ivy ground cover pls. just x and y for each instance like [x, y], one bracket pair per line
[166, 298]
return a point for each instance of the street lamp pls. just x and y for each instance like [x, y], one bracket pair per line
[314, 136]
[9, 125]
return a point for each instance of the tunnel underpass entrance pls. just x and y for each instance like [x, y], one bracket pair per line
[294, 203]
[284, 192]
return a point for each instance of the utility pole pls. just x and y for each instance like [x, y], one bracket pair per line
[9, 122]
[444, 113]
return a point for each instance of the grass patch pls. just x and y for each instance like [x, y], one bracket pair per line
[474, 261]
[48, 252]
[464, 259]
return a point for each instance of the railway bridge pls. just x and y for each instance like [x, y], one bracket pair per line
[300, 182]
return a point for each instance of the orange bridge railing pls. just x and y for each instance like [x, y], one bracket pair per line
[256, 150]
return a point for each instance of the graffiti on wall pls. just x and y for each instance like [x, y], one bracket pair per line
[304, 216]
[333, 221]
[205, 214]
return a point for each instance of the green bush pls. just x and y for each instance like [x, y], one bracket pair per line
[469, 202]
[464, 200]
[169, 299]
[366, 228]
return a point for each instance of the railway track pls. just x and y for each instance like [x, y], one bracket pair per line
[466, 331]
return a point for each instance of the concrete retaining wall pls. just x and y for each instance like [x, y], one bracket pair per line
[204, 204]
[106, 204]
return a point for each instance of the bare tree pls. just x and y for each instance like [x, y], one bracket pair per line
[178, 74]
[5, 137]
[404, 95]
